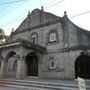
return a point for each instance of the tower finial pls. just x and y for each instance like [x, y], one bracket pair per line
[42, 8]
[28, 12]
[65, 13]
[12, 29]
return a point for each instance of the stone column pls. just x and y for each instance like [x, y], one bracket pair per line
[67, 65]
[3, 69]
[20, 73]
[40, 65]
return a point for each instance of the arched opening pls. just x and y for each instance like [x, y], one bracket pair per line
[0, 64]
[82, 67]
[34, 38]
[31, 64]
[11, 64]
[52, 36]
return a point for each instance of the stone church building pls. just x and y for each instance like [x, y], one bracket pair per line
[46, 46]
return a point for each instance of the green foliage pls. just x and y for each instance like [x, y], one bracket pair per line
[2, 42]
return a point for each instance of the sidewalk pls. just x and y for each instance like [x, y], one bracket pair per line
[50, 84]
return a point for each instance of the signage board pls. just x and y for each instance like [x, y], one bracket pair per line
[81, 83]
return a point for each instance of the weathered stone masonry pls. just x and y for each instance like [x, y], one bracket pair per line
[46, 46]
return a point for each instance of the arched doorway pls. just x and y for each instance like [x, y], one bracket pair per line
[31, 64]
[11, 60]
[0, 65]
[82, 67]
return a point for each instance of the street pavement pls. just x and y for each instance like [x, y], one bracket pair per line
[40, 84]
[9, 88]
[34, 85]
[21, 88]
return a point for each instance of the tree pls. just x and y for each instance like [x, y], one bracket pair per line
[2, 36]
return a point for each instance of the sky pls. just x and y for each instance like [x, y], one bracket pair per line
[13, 12]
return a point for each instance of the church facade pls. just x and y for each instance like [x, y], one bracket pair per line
[46, 46]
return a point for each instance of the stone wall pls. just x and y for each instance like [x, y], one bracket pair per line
[69, 36]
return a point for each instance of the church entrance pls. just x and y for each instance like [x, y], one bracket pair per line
[82, 67]
[31, 64]
[11, 64]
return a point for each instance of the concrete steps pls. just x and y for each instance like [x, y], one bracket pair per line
[42, 84]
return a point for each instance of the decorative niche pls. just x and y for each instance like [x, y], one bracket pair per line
[53, 36]
[52, 63]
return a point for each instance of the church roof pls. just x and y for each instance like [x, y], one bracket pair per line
[24, 43]
[37, 18]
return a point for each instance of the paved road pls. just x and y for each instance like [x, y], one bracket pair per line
[40, 85]
[9, 88]
[20, 88]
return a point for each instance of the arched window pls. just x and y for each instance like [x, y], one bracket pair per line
[15, 65]
[52, 63]
[0, 64]
[34, 38]
[53, 36]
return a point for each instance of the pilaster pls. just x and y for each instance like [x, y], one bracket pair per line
[21, 69]
[3, 69]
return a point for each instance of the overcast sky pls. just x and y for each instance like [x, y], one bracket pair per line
[13, 12]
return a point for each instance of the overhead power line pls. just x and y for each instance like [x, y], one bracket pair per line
[54, 4]
[37, 14]
[12, 10]
[17, 1]
[18, 19]
[34, 15]
[77, 15]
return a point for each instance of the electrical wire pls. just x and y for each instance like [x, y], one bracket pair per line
[12, 10]
[47, 3]
[3, 3]
[37, 14]
[15, 21]
[54, 4]
[77, 15]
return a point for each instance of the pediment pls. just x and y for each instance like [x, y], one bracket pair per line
[35, 18]
[35, 11]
